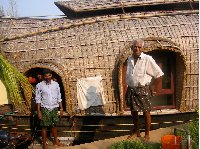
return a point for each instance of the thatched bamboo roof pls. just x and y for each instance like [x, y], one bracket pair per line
[82, 8]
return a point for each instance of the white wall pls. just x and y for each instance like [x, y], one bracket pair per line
[3, 94]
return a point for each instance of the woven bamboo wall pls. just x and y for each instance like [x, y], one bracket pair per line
[90, 47]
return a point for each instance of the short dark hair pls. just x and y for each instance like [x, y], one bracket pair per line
[46, 71]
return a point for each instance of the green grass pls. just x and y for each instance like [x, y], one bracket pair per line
[128, 144]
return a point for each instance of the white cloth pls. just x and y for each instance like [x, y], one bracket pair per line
[142, 72]
[48, 95]
[90, 92]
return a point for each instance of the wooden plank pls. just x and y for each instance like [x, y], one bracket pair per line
[91, 128]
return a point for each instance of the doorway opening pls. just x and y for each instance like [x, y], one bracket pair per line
[165, 96]
[34, 77]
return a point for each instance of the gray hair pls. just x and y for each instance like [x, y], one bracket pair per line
[138, 40]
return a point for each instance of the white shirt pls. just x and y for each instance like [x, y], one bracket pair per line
[48, 95]
[141, 73]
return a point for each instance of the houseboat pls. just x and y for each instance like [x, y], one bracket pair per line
[91, 43]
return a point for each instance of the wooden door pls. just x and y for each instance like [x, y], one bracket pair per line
[165, 96]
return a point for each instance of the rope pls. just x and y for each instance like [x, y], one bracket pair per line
[9, 113]
[1, 117]
[34, 132]
[122, 5]
[72, 118]
[6, 114]
[191, 1]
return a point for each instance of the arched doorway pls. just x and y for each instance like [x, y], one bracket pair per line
[165, 97]
[170, 57]
[34, 74]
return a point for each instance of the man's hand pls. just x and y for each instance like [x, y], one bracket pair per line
[152, 90]
[61, 112]
[153, 93]
[40, 115]
[154, 85]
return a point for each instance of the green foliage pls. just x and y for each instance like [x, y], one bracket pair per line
[194, 132]
[197, 109]
[128, 144]
[193, 129]
[16, 83]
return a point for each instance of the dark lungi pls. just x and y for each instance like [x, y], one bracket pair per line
[139, 98]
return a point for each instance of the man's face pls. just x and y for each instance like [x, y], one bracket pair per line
[39, 76]
[47, 77]
[137, 48]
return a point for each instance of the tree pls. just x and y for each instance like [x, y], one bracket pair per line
[2, 13]
[11, 10]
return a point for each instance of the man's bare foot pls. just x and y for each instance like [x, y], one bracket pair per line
[44, 146]
[146, 138]
[58, 144]
[135, 134]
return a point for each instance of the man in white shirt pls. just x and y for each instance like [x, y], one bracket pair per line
[48, 99]
[140, 70]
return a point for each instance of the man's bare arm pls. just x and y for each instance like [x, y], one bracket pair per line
[39, 111]
[61, 108]
[154, 85]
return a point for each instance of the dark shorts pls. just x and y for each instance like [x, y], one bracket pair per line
[139, 98]
[49, 117]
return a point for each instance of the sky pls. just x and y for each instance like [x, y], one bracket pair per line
[28, 8]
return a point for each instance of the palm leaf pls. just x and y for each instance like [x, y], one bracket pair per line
[18, 87]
